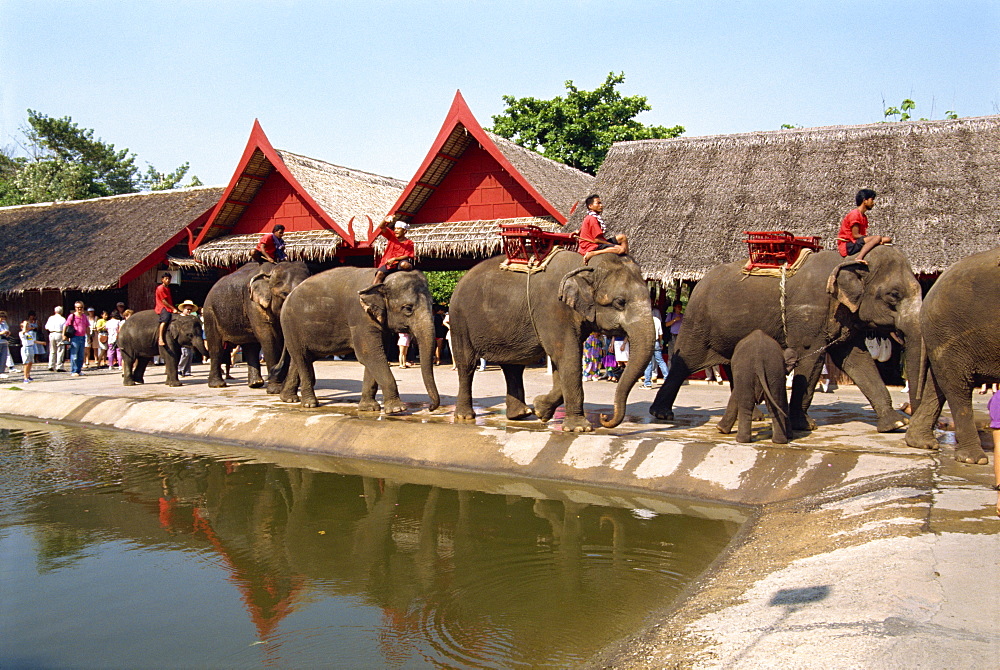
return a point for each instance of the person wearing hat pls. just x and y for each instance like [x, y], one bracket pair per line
[399, 254]
[186, 308]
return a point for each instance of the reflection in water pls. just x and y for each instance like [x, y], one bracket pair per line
[133, 554]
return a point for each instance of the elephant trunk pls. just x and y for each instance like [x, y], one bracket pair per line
[199, 344]
[909, 325]
[424, 334]
[640, 337]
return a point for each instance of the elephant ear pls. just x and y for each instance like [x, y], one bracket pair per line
[846, 283]
[260, 290]
[577, 290]
[373, 300]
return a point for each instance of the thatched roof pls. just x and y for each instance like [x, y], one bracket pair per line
[560, 184]
[465, 239]
[344, 192]
[90, 245]
[685, 202]
[306, 245]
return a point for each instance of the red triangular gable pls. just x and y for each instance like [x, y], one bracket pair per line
[249, 179]
[443, 161]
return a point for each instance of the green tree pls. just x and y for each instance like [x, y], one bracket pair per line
[66, 162]
[578, 129]
[442, 284]
[903, 111]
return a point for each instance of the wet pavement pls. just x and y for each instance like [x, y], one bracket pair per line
[859, 552]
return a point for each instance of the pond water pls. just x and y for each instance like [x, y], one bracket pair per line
[126, 551]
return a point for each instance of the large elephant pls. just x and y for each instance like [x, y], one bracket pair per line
[137, 340]
[245, 308]
[826, 306]
[514, 318]
[325, 315]
[960, 321]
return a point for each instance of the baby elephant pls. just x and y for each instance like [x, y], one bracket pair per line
[759, 368]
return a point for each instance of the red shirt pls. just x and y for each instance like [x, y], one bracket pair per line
[845, 234]
[266, 244]
[161, 296]
[590, 230]
[395, 247]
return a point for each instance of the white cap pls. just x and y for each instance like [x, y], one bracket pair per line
[401, 224]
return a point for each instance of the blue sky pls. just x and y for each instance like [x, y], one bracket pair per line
[367, 84]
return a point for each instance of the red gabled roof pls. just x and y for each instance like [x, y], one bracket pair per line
[258, 161]
[446, 151]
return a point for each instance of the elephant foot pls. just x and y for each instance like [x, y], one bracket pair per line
[310, 403]
[464, 414]
[369, 406]
[577, 424]
[273, 389]
[173, 383]
[725, 430]
[216, 384]
[972, 454]
[256, 383]
[517, 410]
[758, 415]
[661, 414]
[284, 397]
[920, 439]
[545, 409]
[802, 423]
[892, 421]
[129, 382]
[393, 407]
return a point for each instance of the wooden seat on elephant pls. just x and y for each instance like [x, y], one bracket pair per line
[772, 250]
[530, 245]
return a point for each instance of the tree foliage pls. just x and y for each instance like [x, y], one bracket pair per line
[442, 284]
[902, 113]
[66, 162]
[578, 129]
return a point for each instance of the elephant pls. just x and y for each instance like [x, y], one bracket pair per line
[758, 371]
[137, 340]
[325, 315]
[513, 318]
[245, 308]
[961, 349]
[825, 307]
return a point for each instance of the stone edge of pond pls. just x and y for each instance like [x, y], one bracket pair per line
[725, 472]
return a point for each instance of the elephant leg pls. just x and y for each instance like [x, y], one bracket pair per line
[139, 373]
[546, 404]
[271, 347]
[859, 366]
[514, 376]
[290, 387]
[369, 387]
[663, 404]
[804, 380]
[213, 341]
[567, 373]
[251, 355]
[170, 357]
[372, 356]
[744, 424]
[127, 364]
[725, 424]
[307, 382]
[920, 432]
[463, 401]
[779, 414]
[958, 391]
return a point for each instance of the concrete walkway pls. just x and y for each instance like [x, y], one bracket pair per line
[857, 552]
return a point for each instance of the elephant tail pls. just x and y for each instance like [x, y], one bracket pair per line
[762, 378]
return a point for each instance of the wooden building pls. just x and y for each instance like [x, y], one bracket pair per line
[470, 182]
[325, 208]
[102, 250]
